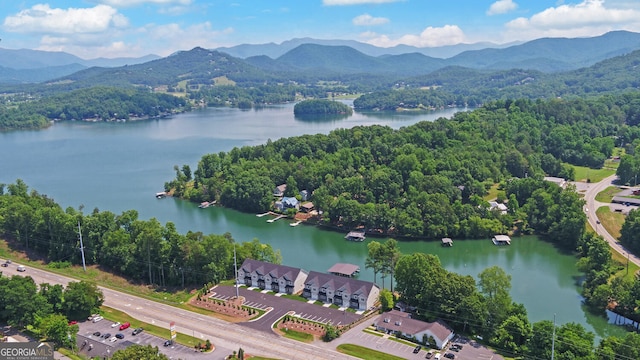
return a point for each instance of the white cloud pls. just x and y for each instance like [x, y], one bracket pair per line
[429, 37]
[355, 2]
[502, 7]
[131, 3]
[588, 18]
[42, 18]
[368, 20]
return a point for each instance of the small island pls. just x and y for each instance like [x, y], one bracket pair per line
[321, 107]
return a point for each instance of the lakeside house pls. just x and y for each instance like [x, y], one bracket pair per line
[341, 291]
[279, 190]
[495, 206]
[274, 277]
[401, 324]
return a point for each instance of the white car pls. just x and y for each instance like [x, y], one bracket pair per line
[113, 339]
[115, 324]
[97, 318]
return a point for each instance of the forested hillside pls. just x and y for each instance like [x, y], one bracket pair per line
[428, 180]
[140, 250]
[95, 104]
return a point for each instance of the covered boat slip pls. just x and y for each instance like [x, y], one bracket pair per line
[343, 269]
[501, 240]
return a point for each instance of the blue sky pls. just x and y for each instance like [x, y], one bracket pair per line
[115, 28]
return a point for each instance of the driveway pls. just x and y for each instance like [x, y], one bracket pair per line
[281, 306]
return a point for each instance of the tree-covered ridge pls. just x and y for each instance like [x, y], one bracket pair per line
[143, 251]
[321, 107]
[428, 179]
[95, 104]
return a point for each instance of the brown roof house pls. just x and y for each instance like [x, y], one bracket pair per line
[341, 291]
[400, 323]
[268, 276]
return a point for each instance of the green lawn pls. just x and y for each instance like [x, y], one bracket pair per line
[365, 353]
[607, 194]
[299, 336]
[586, 174]
[611, 221]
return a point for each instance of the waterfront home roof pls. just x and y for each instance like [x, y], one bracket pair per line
[395, 320]
[274, 270]
[307, 206]
[279, 190]
[289, 201]
[344, 269]
[340, 283]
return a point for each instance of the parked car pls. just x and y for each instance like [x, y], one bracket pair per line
[92, 316]
[97, 333]
[106, 335]
[168, 342]
[6, 263]
[429, 354]
[417, 349]
[120, 335]
[450, 356]
[72, 322]
[97, 318]
[21, 268]
[137, 331]
[124, 326]
[113, 339]
[115, 324]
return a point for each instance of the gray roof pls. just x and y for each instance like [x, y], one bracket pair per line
[395, 320]
[340, 283]
[275, 270]
[343, 269]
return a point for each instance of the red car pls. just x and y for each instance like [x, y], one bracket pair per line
[72, 322]
[124, 326]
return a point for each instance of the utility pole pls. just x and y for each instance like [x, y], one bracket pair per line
[553, 338]
[235, 266]
[84, 266]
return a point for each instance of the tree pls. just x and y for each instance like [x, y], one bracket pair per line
[374, 258]
[81, 299]
[139, 352]
[386, 300]
[330, 333]
[391, 254]
[418, 277]
[495, 285]
[55, 328]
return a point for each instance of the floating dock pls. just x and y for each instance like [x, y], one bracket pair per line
[501, 240]
[296, 223]
[276, 219]
[447, 242]
[355, 236]
[161, 195]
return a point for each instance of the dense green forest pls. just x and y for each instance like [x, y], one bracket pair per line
[428, 179]
[321, 107]
[46, 308]
[485, 307]
[143, 251]
[95, 104]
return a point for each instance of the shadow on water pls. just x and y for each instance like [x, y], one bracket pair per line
[321, 117]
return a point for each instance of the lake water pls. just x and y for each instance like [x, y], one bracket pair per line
[121, 166]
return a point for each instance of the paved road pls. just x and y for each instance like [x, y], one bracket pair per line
[225, 336]
[593, 205]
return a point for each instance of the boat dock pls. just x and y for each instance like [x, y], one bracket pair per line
[501, 240]
[206, 204]
[261, 215]
[296, 223]
[447, 242]
[355, 236]
[343, 269]
[276, 219]
[161, 195]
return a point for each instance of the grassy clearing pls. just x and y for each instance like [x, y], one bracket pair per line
[607, 194]
[119, 316]
[621, 266]
[365, 353]
[611, 221]
[586, 174]
[297, 335]
[492, 193]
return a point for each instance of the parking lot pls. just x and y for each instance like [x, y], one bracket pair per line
[280, 306]
[92, 345]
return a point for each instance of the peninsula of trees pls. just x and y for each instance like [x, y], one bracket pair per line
[429, 179]
[321, 107]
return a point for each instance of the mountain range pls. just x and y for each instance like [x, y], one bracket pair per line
[309, 63]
